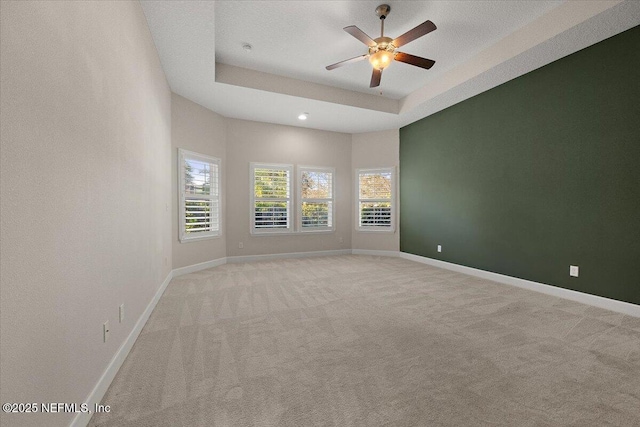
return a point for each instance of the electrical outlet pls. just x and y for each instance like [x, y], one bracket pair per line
[105, 331]
[439, 248]
[341, 239]
[121, 313]
[240, 245]
[573, 271]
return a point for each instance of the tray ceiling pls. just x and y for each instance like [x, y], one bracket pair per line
[477, 45]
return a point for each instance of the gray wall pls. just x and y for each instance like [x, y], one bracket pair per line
[262, 142]
[369, 151]
[239, 142]
[85, 193]
[197, 129]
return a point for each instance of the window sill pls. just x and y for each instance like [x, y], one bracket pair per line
[320, 231]
[376, 231]
[199, 238]
[290, 233]
[255, 232]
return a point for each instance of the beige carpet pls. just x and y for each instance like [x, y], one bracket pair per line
[368, 341]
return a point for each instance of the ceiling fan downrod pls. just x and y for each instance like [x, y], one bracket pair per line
[382, 50]
[382, 11]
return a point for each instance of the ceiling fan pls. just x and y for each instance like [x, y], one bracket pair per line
[382, 50]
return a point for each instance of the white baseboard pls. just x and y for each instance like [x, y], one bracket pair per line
[375, 252]
[594, 300]
[197, 267]
[252, 258]
[96, 395]
[98, 392]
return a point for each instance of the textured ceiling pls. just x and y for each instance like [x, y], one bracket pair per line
[299, 38]
[478, 45]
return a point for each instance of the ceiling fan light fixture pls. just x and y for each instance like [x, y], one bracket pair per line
[382, 50]
[381, 59]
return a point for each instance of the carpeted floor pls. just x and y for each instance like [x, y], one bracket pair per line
[368, 341]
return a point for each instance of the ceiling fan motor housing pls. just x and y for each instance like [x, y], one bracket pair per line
[382, 43]
[382, 50]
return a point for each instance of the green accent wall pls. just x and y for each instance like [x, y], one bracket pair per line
[537, 174]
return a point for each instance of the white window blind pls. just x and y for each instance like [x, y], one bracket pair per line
[375, 189]
[271, 198]
[316, 199]
[199, 183]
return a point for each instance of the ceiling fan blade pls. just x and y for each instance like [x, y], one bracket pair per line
[419, 31]
[360, 35]
[345, 62]
[375, 78]
[414, 60]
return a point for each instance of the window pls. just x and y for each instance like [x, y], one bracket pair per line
[315, 199]
[271, 198]
[199, 181]
[375, 210]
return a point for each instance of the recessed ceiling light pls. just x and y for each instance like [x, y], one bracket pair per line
[303, 116]
[247, 47]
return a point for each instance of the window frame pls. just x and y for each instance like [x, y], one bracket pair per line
[331, 200]
[252, 199]
[183, 236]
[392, 200]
